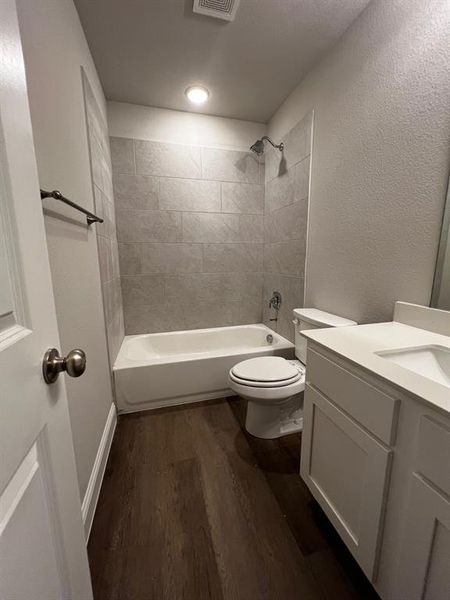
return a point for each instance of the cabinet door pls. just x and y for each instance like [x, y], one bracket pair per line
[424, 572]
[346, 470]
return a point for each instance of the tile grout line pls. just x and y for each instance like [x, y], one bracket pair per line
[201, 212]
[177, 177]
[134, 157]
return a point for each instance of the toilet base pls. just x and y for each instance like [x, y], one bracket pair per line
[271, 421]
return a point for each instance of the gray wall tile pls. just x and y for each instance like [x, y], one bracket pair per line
[180, 316]
[289, 187]
[142, 290]
[301, 179]
[171, 258]
[122, 155]
[250, 312]
[285, 258]
[262, 170]
[148, 226]
[274, 163]
[136, 191]
[147, 258]
[223, 258]
[287, 223]
[122, 152]
[108, 227]
[98, 201]
[210, 314]
[189, 195]
[167, 160]
[251, 228]
[242, 198]
[105, 258]
[117, 300]
[211, 227]
[115, 259]
[107, 291]
[190, 245]
[297, 146]
[221, 287]
[116, 330]
[152, 319]
[96, 163]
[230, 165]
[291, 290]
[279, 192]
[130, 258]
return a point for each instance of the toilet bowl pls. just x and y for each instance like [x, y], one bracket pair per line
[273, 385]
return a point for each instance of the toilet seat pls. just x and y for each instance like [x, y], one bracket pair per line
[266, 371]
[267, 395]
[265, 384]
[267, 377]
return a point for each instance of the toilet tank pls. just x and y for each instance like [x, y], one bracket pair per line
[311, 318]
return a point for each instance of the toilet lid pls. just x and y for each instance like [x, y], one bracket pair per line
[269, 369]
[265, 384]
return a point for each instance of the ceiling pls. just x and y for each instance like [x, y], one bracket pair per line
[149, 51]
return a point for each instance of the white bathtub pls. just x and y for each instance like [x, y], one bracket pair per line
[164, 369]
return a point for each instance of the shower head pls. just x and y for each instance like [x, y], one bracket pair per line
[258, 146]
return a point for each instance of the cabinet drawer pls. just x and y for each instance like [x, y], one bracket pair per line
[433, 453]
[347, 471]
[366, 404]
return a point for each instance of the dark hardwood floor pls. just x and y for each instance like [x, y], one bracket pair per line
[194, 508]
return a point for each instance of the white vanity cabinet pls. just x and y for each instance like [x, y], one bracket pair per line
[377, 460]
[345, 460]
[424, 570]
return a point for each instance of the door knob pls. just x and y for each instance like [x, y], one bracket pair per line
[74, 364]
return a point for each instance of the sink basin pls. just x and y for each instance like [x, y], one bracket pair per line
[429, 361]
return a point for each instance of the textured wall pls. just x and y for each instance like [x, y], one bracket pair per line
[108, 253]
[285, 224]
[190, 230]
[54, 48]
[380, 160]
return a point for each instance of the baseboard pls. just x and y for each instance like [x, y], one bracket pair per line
[178, 401]
[98, 470]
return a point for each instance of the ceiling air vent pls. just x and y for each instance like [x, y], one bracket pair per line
[218, 9]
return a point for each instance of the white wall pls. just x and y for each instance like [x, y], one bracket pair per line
[380, 158]
[55, 48]
[177, 127]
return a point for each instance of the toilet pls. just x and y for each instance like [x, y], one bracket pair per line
[272, 385]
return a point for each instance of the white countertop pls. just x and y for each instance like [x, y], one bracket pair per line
[359, 344]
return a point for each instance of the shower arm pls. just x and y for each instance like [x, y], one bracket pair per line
[280, 146]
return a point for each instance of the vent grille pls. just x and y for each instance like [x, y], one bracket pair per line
[219, 9]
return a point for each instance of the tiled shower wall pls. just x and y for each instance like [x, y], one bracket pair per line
[97, 129]
[285, 224]
[190, 229]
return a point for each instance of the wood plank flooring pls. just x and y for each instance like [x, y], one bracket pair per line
[194, 508]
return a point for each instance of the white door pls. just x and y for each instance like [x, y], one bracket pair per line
[42, 546]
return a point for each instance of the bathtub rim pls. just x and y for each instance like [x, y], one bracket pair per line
[123, 362]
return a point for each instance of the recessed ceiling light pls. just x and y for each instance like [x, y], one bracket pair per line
[197, 94]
